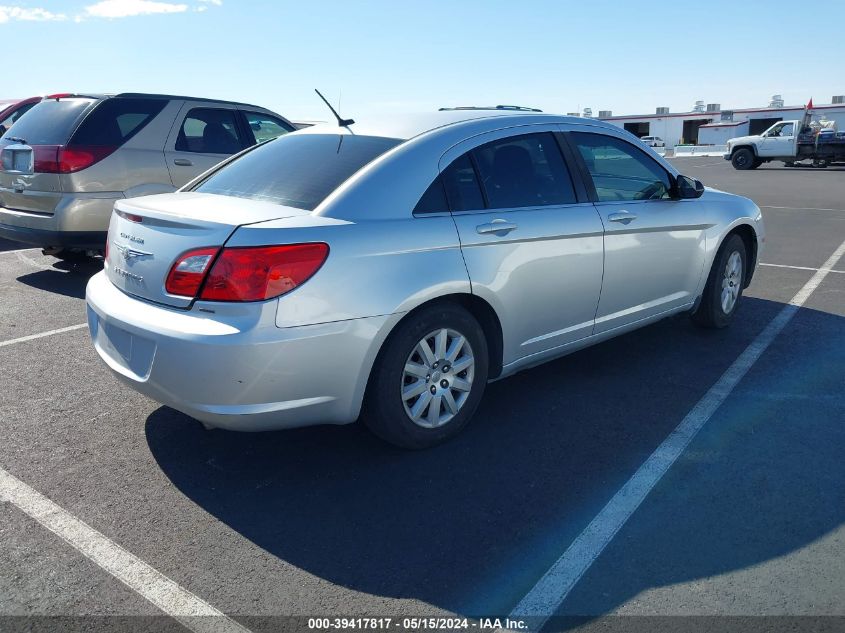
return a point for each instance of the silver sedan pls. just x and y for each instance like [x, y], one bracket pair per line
[388, 271]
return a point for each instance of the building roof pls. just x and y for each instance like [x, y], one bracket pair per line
[711, 113]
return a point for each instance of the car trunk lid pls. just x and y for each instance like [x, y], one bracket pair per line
[147, 235]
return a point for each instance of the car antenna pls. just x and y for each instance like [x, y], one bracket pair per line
[341, 122]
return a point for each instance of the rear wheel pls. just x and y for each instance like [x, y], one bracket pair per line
[723, 291]
[428, 379]
[743, 158]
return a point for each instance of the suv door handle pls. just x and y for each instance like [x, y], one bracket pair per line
[623, 216]
[497, 227]
[182, 162]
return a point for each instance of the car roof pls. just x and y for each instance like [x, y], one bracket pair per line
[144, 95]
[407, 126]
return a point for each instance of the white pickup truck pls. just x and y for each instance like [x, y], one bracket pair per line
[787, 141]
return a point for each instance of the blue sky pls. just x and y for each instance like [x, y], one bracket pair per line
[561, 56]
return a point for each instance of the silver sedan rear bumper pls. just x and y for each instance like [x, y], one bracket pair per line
[234, 368]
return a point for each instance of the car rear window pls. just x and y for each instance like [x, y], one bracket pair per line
[296, 170]
[115, 121]
[50, 122]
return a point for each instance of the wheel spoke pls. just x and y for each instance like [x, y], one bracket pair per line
[464, 363]
[420, 404]
[414, 389]
[434, 411]
[461, 385]
[415, 369]
[449, 401]
[455, 348]
[425, 352]
[440, 343]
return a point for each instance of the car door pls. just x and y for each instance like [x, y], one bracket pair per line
[204, 135]
[532, 245]
[654, 245]
[778, 140]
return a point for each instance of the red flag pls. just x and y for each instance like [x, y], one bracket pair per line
[810, 105]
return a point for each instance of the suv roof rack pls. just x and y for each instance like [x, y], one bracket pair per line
[497, 107]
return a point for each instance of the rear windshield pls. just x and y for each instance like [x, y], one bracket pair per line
[49, 122]
[296, 170]
[116, 120]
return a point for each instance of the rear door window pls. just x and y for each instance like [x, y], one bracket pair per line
[619, 170]
[50, 122]
[461, 184]
[265, 127]
[209, 131]
[524, 171]
[116, 120]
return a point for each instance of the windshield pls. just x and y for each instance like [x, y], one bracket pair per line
[296, 170]
[49, 122]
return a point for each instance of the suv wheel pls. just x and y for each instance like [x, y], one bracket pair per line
[428, 378]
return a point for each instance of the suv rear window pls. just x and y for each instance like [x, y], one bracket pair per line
[116, 120]
[296, 170]
[50, 122]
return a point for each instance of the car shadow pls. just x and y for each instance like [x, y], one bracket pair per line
[67, 278]
[471, 525]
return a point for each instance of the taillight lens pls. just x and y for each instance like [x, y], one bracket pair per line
[254, 273]
[58, 159]
[262, 272]
[187, 274]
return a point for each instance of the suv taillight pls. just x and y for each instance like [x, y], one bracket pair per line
[59, 159]
[254, 273]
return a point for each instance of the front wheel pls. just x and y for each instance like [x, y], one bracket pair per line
[428, 378]
[743, 158]
[723, 290]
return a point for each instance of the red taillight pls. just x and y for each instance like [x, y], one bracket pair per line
[58, 159]
[262, 272]
[252, 273]
[188, 272]
[45, 159]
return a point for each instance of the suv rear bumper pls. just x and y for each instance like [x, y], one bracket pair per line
[79, 221]
[93, 240]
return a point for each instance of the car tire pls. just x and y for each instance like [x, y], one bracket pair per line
[743, 159]
[723, 291]
[402, 369]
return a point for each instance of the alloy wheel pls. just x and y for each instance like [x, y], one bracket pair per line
[437, 378]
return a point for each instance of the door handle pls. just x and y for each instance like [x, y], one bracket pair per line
[623, 216]
[182, 162]
[496, 227]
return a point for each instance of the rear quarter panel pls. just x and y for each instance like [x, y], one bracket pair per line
[374, 268]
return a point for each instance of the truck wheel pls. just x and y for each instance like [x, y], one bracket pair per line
[789, 163]
[723, 291]
[743, 158]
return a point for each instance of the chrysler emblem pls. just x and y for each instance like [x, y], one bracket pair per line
[130, 253]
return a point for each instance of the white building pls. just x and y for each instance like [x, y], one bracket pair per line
[711, 125]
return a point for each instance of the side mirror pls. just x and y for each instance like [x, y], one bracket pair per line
[2, 130]
[687, 187]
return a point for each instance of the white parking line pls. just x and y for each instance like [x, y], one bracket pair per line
[840, 272]
[32, 337]
[552, 589]
[171, 598]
